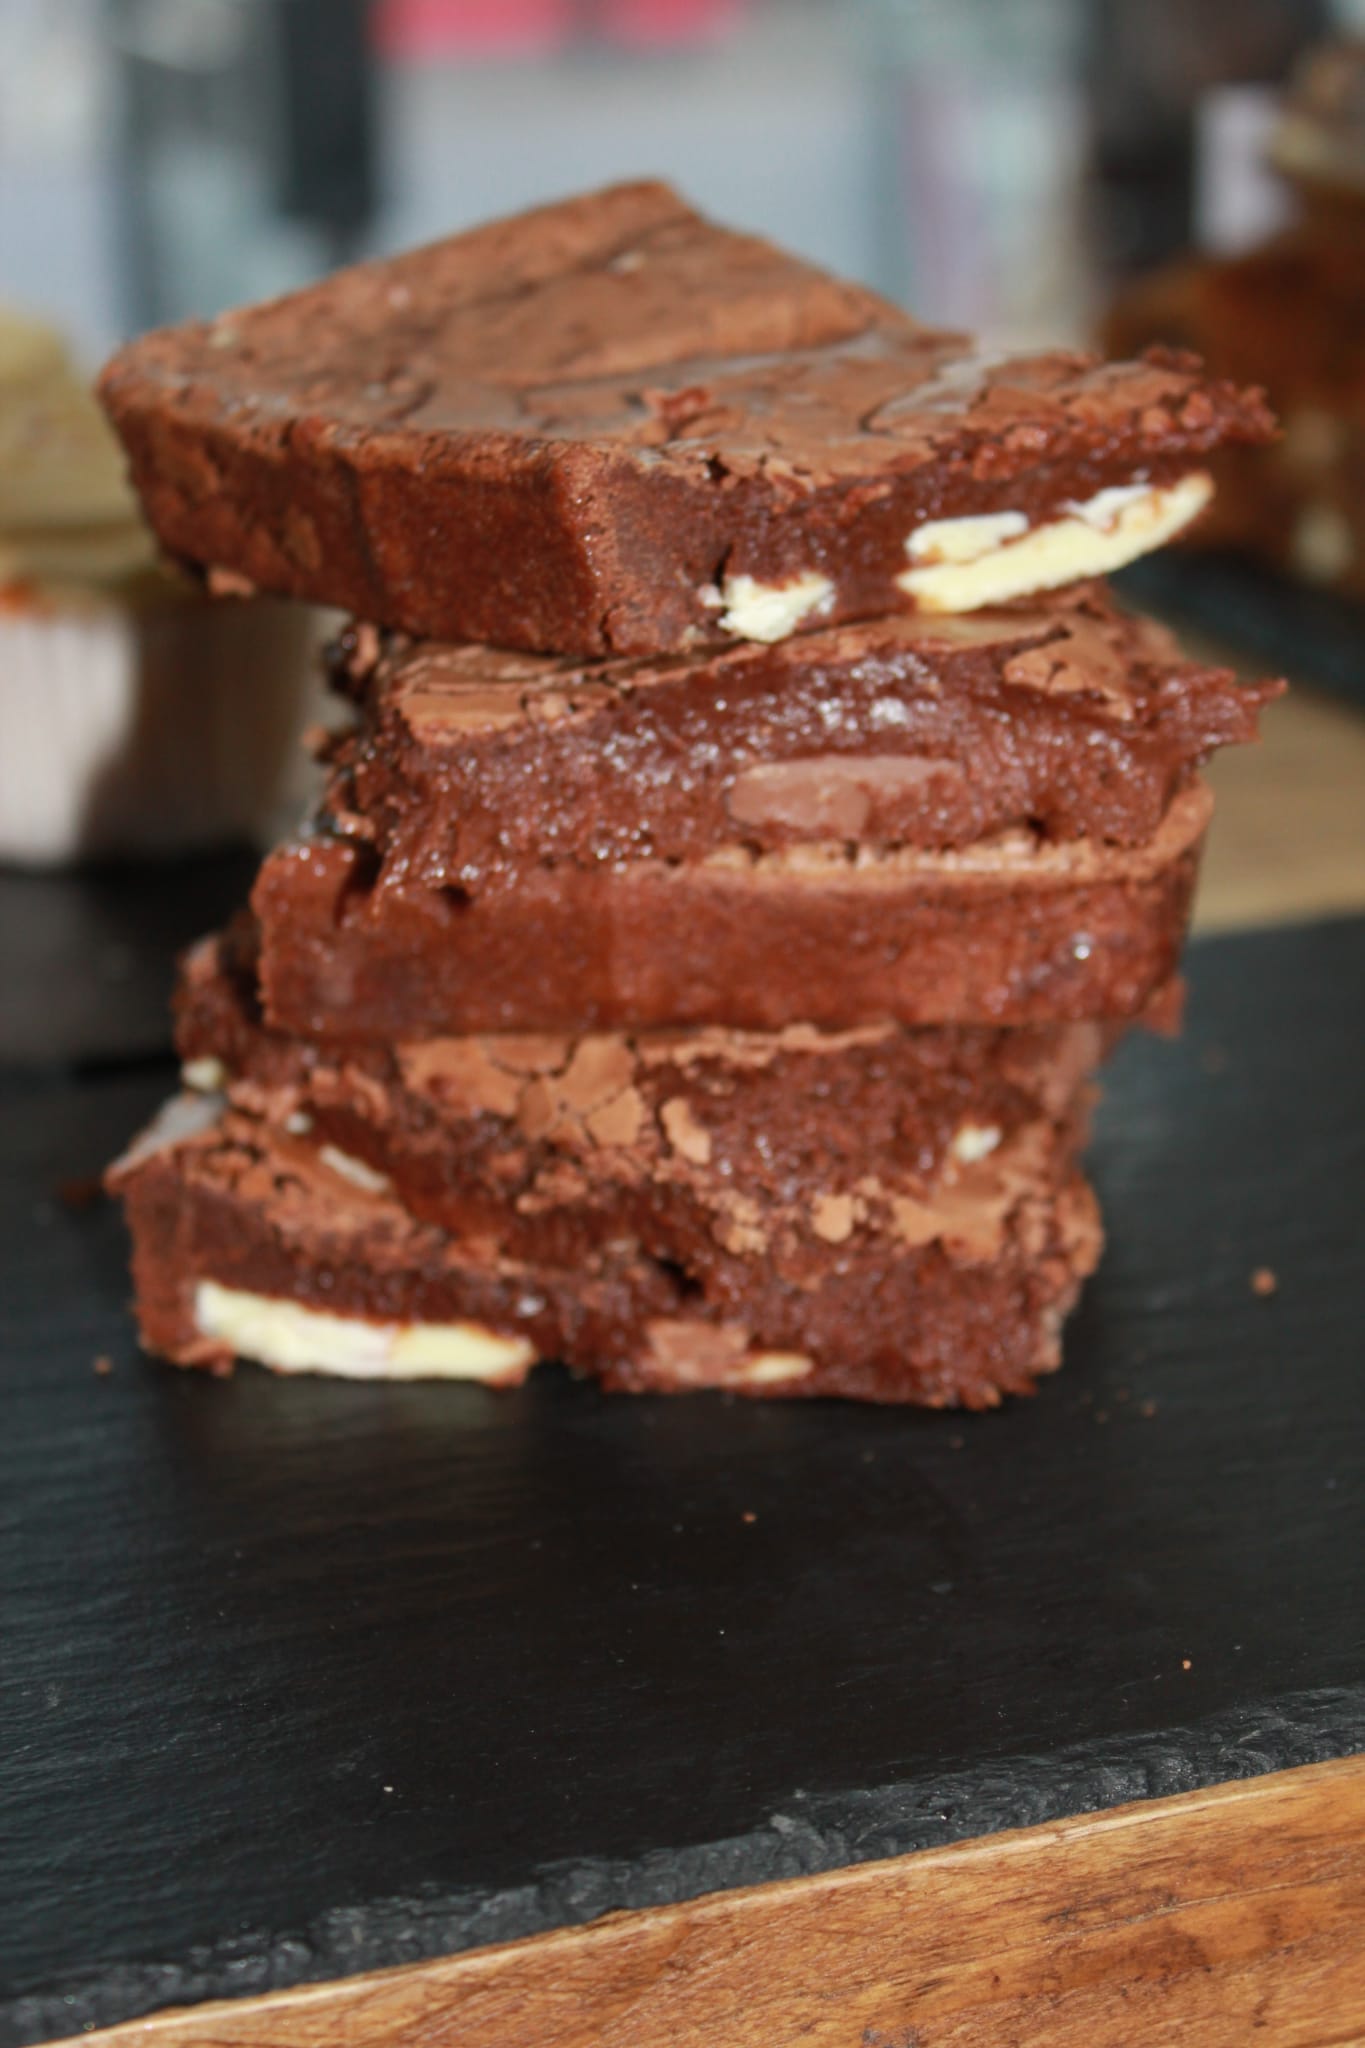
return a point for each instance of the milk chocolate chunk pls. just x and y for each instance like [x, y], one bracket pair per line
[608, 426]
[468, 764]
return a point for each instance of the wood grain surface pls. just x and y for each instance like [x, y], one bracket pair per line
[1288, 835]
[1209, 1919]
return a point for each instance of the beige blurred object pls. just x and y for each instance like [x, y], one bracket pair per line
[150, 730]
[1288, 837]
[67, 516]
[135, 715]
[1319, 141]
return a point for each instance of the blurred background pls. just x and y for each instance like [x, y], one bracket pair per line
[999, 165]
[1060, 170]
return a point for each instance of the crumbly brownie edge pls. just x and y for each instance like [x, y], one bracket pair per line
[363, 1291]
[755, 946]
[466, 765]
[316, 445]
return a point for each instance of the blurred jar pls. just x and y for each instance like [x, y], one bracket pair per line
[981, 151]
[1319, 139]
[1183, 98]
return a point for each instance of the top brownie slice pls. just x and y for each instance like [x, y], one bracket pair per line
[608, 426]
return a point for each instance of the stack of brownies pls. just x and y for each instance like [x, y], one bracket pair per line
[755, 824]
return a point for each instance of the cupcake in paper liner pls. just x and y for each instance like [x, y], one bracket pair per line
[136, 715]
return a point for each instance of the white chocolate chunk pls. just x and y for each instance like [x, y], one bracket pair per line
[770, 611]
[972, 1142]
[181, 1118]
[770, 1368]
[1092, 539]
[291, 1338]
[461, 1351]
[1107, 507]
[686, 1353]
[964, 540]
[357, 1171]
[206, 1075]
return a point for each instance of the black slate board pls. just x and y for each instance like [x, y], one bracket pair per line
[1277, 626]
[303, 1678]
[89, 955]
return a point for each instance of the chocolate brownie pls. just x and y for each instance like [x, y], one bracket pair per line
[608, 426]
[1009, 930]
[252, 1241]
[705, 1148]
[1064, 714]
[1291, 313]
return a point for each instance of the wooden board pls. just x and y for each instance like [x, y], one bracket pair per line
[1199, 1921]
[306, 1680]
[1288, 839]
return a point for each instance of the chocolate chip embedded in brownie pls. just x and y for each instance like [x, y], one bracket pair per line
[470, 764]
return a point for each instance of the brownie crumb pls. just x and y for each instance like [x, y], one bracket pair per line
[80, 1192]
[1264, 1282]
[748, 1516]
[1148, 1409]
[103, 1366]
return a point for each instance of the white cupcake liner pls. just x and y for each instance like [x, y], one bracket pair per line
[126, 731]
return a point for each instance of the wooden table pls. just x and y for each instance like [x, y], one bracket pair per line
[1222, 1916]
[1288, 840]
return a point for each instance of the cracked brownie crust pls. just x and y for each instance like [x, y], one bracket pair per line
[263, 1239]
[610, 427]
[706, 1148]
